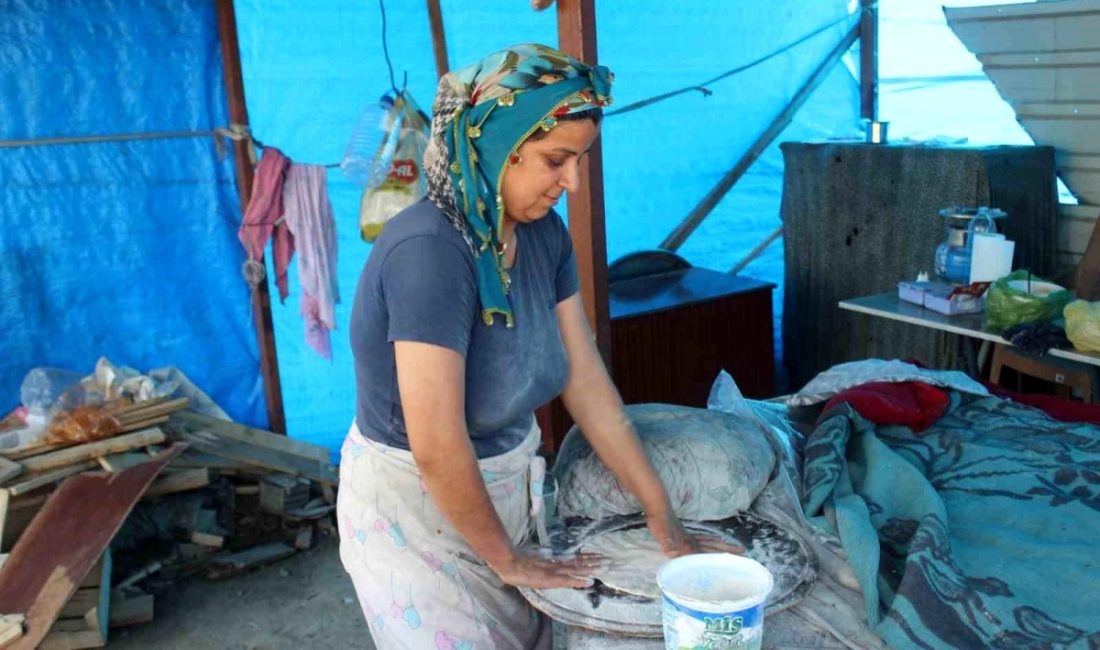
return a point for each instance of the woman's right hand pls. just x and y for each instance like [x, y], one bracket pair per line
[526, 568]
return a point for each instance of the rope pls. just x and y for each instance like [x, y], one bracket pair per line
[729, 73]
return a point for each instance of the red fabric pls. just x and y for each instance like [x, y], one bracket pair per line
[264, 209]
[1059, 408]
[912, 403]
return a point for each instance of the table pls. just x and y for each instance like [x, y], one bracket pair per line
[889, 306]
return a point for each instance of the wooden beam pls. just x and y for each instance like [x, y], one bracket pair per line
[439, 37]
[680, 234]
[261, 299]
[577, 36]
[868, 59]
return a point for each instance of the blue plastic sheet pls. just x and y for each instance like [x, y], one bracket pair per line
[120, 249]
[128, 250]
[310, 72]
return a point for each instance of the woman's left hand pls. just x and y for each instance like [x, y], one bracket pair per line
[669, 532]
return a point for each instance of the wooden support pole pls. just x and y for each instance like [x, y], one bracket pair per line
[868, 59]
[680, 234]
[577, 36]
[261, 299]
[439, 37]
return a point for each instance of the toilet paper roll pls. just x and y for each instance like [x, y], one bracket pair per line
[991, 258]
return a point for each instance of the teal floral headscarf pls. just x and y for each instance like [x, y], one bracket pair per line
[482, 114]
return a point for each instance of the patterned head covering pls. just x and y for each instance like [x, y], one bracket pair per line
[483, 113]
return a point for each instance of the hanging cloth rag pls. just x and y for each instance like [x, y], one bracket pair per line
[308, 215]
[263, 217]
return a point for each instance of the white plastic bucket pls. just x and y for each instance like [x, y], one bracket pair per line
[713, 601]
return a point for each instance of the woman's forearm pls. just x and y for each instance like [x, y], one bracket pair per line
[594, 403]
[449, 469]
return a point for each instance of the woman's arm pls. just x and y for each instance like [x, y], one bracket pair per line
[596, 407]
[431, 381]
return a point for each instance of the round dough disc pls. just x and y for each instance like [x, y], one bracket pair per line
[635, 556]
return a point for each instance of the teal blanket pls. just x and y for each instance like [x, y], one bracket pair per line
[980, 532]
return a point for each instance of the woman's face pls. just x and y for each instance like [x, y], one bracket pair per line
[548, 167]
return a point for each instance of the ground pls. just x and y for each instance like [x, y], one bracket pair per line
[303, 603]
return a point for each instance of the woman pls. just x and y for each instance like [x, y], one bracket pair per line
[466, 319]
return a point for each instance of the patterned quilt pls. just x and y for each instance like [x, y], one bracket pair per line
[982, 531]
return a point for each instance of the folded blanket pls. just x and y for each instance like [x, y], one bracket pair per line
[980, 532]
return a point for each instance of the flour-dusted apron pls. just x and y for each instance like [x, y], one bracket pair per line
[419, 583]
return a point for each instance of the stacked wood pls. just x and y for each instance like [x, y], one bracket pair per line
[231, 498]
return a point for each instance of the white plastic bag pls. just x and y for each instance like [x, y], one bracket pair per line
[397, 178]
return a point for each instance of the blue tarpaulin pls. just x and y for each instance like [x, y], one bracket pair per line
[128, 249]
[121, 249]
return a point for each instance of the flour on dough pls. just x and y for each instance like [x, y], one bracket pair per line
[634, 558]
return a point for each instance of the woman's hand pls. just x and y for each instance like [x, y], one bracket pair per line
[526, 568]
[675, 541]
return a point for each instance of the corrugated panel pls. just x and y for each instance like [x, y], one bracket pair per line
[1044, 59]
[1038, 27]
[1075, 225]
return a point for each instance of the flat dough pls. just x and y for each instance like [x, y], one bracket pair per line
[635, 558]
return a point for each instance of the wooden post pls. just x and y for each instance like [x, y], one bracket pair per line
[439, 37]
[577, 36]
[868, 59]
[261, 299]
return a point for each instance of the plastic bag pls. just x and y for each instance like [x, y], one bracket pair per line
[43, 388]
[1083, 325]
[1010, 303]
[397, 178]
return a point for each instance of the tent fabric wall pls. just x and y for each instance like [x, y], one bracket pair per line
[128, 250]
[308, 74]
[120, 249]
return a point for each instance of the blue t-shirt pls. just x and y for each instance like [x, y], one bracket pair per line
[420, 284]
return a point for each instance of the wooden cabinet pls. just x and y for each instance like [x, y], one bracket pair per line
[672, 333]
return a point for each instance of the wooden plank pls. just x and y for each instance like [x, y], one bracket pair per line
[9, 469]
[130, 610]
[197, 422]
[11, 628]
[85, 599]
[73, 640]
[253, 557]
[192, 479]
[45, 478]
[206, 539]
[91, 450]
[260, 297]
[64, 541]
[269, 459]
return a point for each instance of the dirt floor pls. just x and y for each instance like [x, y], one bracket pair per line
[305, 602]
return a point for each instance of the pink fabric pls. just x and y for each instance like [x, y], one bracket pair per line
[264, 209]
[309, 216]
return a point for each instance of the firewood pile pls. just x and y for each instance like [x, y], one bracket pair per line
[118, 501]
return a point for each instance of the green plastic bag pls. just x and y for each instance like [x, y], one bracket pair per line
[1008, 303]
[1083, 325]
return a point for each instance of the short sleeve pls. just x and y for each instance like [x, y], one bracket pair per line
[429, 290]
[566, 282]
